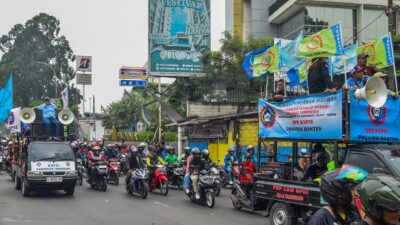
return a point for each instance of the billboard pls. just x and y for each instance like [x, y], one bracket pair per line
[179, 31]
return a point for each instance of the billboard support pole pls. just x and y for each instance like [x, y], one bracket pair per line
[159, 112]
[83, 102]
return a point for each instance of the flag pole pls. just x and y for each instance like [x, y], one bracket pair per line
[345, 72]
[394, 66]
[266, 87]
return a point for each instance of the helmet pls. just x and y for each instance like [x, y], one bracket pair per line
[303, 151]
[134, 149]
[142, 145]
[248, 156]
[124, 145]
[236, 163]
[186, 149]
[380, 190]
[94, 144]
[336, 190]
[96, 148]
[195, 151]
[10, 142]
[231, 149]
[74, 145]
[170, 149]
[205, 152]
[109, 147]
[152, 148]
[250, 148]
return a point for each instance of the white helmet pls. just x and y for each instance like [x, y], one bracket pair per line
[133, 149]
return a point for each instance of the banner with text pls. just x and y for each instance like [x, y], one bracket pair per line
[305, 117]
[179, 31]
[369, 124]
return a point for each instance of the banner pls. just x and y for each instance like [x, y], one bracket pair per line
[249, 61]
[179, 31]
[269, 61]
[336, 63]
[369, 124]
[290, 55]
[6, 100]
[327, 42]
[14, 120]
[379, 51]
[305, 117]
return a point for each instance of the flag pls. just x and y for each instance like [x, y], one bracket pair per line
[146, 117]
[269, 61]
[298, 76]
[290, 53]
[6, 100]
[14, 120]
[379, 51]
[249, 61]
[336, 63]
[64, 97]
[327, 42]
[103, 109]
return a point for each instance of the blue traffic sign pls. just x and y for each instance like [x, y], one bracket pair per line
[137, 83]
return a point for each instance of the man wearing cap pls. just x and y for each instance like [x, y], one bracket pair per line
[384, 77]
[318, 77]
[358, 80]
[362, 60]
[49, 116]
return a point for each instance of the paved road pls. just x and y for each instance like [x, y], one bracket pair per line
[115, 207]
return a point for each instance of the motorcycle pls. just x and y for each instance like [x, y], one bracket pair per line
[214, 173]
[223, 176]
[160, 180]
[100, 176]
[175, 175]
[81, 170]
[206, 189]
[138, 184]
[123, 165]
[113, 170]
[240, 199]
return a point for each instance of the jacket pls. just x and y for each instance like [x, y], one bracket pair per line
[318, 77]
[246, 169]
[171, 159]
[228, 161]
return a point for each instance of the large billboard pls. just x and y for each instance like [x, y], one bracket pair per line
[179, 31]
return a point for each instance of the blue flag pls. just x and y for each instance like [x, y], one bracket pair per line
[290, 54]
[336, 63]
[6, 100]
[249, 61]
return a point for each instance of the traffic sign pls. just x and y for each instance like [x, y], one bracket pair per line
[136, 83]
[84, 63]
[137, 73]
[84, 78]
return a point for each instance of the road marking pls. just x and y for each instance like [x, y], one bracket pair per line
[162, 204]
[6, 219]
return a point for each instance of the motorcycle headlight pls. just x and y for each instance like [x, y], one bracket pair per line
[214, 171]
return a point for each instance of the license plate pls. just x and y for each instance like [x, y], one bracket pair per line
[53, 179]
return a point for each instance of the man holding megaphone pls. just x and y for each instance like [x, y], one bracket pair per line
[49, 116]
[358, 80]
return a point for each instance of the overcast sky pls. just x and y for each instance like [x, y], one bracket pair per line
[114, 32]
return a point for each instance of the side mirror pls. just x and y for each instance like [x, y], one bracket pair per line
[23, 155]
[379, 170]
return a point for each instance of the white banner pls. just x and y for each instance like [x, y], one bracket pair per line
[47, 166]
[14, 121]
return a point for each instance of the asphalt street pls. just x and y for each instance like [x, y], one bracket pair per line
[115, 206]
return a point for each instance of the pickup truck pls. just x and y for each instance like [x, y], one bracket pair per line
[290, 201]
[45, 165]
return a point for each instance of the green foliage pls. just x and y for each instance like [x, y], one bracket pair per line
[170, 136]
[144, 136]
[34, 53]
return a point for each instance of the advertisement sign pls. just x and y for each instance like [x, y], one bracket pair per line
[179, 31]
[135, 73]
[369, 124]
[136, 83]
[84, 78]
[14, 121]
[84, 63]
[305, 117]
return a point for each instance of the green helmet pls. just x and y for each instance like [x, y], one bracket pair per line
[380, 191]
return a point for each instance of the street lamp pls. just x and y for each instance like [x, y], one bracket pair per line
[54, 75]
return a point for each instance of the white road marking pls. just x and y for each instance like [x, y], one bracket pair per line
[162, 204]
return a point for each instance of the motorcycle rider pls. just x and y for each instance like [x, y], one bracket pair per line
[184, 156]
[340, 194]
[196, 164]
[110, 153]
[92, 159]
[152, 160]
[250, 150]
[229, 159]
[246, 171]
[205, 154]
[380, 197]
[135, 161]
[171, 157]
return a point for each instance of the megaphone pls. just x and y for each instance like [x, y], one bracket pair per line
[374, 92]
[65, 116]
[27, 115]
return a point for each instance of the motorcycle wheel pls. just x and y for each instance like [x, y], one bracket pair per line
[103, 183]
[116, 178]
[235, 204]
[217, 190]
[163, 188]
[210, 200]
[143, 190]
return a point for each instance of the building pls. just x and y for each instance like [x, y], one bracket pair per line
[362, 20]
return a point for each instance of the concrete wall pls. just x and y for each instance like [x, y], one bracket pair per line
[206, 110]
[88, 129]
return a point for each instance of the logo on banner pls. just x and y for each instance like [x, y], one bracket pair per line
[268, 59]
[267, 116]
[11, 119]
[315, 43]
[377, 116]
[369, 50]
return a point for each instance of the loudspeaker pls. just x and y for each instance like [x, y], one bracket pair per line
[374, 92]
[65, 116]
[27, 115]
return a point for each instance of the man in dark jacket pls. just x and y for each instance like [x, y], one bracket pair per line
[318, 77]
[135, 161]
[195, 166]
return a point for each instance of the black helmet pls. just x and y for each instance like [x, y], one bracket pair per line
[336, 190]
[170, 149]
[380, 191]
[196, 151]
[152, 148]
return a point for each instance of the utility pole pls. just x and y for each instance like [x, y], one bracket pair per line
[159, 112]
[391, 14]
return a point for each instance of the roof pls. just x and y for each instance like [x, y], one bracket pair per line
[202, 120]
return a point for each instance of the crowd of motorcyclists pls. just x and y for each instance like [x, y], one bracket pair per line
[379, 194]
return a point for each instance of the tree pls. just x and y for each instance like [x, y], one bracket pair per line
[38, 57]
